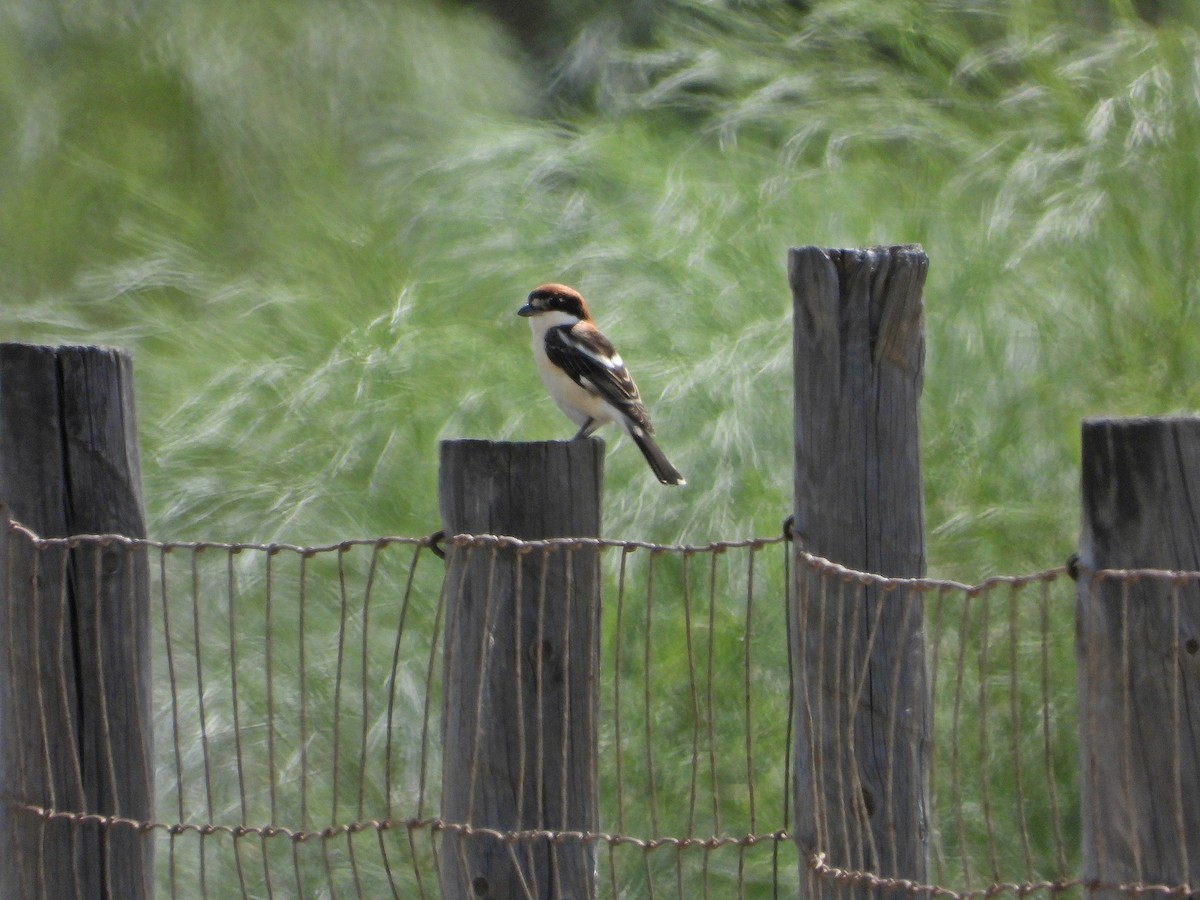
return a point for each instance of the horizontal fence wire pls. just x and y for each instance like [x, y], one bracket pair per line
[298, 735]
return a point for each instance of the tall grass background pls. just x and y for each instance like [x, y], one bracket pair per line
[312, 224]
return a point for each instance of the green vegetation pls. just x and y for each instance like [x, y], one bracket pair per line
[313, 223]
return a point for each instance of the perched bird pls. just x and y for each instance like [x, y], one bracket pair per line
[585, 375]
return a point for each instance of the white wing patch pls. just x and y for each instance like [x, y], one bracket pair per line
[609, 362]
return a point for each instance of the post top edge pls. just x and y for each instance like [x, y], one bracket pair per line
[1139, 421]
[9, 346]
[486, 442]
[874, 248]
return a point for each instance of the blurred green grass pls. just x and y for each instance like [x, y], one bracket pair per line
[312, 227]
[313, 224]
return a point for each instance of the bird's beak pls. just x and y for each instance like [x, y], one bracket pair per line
[527, 310]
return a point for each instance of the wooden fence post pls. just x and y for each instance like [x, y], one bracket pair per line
[862, 714]
[521, 698]
[76, 718]
[1138, 653]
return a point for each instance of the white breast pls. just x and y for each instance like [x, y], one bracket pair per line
[577, 402]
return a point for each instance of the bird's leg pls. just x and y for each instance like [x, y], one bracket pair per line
[584, 431]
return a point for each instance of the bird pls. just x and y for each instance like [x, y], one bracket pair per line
[586, 376]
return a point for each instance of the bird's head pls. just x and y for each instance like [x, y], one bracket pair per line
[562, 303]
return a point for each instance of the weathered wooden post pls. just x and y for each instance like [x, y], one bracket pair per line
[521, 696]
[1138, 653]
[862, 715]
[76, 720]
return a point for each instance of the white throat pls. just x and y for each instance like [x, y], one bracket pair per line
[543, 322]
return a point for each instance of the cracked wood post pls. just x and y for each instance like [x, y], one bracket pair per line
[521, 687]
[76, 716]
[862, 713]
[1138, 653]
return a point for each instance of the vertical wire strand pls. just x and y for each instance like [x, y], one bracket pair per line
[710, 698]
[364, 676]
[338, 681]
[741, 871]
[324, 840]
[747, 678]
[956, 800]
[430, 676]
[45, 763]
[618, 643]
[231, 609]
[388, 720]
[61, 643]
[839, 697]
[650, 892]
[938, 852]
[595, 635]
[386, 859]
[20, 764]
[647, 694]
[1181, 837]
[10, 609]
[568, 607]
[173, 679]
[106, 739]
[392, 675]
[459, 555]
[1047, 734]
[539, 786]
[302, 615]
[426, 717]
[70, 717]
[520, 687]
[788, 787]
[709, 714]
[526, 889]
[693, 694]
[142, 729]
[269, 673]
[907, 597]
[811, 690]
[106, 735]
[329, 878]
[414, 855]
[1127, 733]
[299, 878]
[338, 737]
[647, 655]
[204, 742]
[985, 773]
[484, 657]
[618, 743]
[436, 835]
[865, 834]
[485, 645]
[1014, 700]
[363, 717]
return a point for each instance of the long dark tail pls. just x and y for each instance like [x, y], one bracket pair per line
[659, 464]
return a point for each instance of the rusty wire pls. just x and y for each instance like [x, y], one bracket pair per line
[298, 696]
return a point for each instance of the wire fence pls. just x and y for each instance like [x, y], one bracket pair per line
[298, 694]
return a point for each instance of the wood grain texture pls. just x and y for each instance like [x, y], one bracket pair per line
[1138, 652]
[521, 696]
[861, 757]
[75, 689]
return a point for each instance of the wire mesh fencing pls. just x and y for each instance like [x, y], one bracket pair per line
[298, 697]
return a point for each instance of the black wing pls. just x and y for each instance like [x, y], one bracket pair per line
[585, 354]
